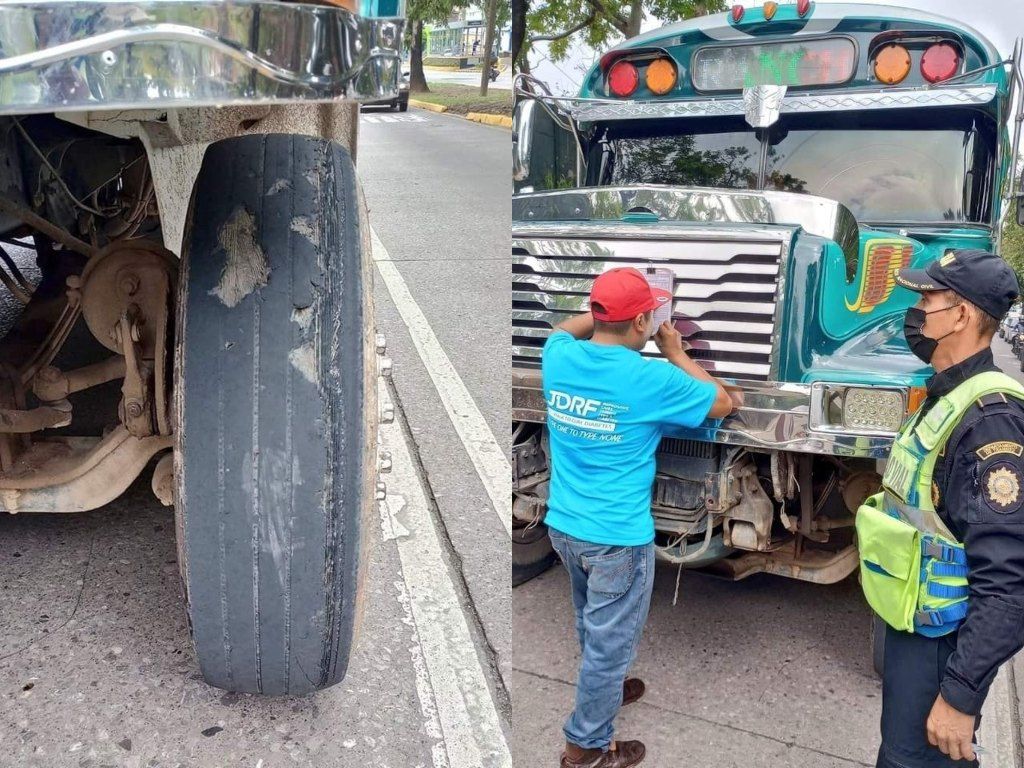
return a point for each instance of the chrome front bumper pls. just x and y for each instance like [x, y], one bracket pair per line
[775, 416]
[66, 55]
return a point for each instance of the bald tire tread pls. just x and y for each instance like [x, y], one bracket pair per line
[276, 405]
[531, 553]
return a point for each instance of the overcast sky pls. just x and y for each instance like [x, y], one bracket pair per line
[999, 20]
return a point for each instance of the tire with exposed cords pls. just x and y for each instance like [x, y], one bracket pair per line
[276, 413]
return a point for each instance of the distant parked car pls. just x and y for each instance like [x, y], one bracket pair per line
[1009, 326]
[400, 102]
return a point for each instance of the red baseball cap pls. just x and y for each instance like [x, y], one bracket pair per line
[623, 293]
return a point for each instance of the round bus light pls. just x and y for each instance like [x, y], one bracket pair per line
[770, 8]
[737, 13]
[940, 62]
[623, 78]
[892, 64]
[661, 76]
[802, 7]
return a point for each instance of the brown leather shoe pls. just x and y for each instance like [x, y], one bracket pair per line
[620, 754]
[632, 690]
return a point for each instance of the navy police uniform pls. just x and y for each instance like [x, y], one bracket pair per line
[979, 488]
[978, 491]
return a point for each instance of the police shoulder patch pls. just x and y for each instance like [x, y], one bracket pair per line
[1000, 446]
[1001, 487]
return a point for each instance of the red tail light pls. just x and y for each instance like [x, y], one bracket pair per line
[802, 7]
[737, 13]
[623, 78]
[940, 62]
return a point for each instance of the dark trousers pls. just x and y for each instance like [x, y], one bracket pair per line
[914, 667]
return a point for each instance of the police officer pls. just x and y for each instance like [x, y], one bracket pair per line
[969, 618]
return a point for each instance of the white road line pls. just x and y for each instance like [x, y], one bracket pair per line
[399, 118]
[457, 695]
[491, 465]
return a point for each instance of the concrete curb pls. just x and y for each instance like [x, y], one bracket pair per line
[427, 105]
[999, 734]
[499, 120]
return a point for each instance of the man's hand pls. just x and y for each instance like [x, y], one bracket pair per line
[737, 397]
[669, 341]
[950, 730]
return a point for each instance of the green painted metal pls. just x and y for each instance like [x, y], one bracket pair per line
[681, 42]
[834, 322]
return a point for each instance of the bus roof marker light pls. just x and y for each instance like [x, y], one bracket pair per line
[623, 78]
[939, 62]
[770, 8]
[661, 76]
[892, 64]
[802, 7]
[737, 13]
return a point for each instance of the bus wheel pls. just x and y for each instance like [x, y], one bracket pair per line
[276, 406]
[531, 552]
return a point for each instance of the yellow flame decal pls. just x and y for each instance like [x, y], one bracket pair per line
[882, 257]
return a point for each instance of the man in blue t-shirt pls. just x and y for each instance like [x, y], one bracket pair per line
[607, 407]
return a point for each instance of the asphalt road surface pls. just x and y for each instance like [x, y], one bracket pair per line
[763, 673]
[96, 666]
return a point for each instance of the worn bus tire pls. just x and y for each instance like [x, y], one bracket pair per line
[276, 413]
[531, 553]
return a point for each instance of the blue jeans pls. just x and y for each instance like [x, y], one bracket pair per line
[611, 593]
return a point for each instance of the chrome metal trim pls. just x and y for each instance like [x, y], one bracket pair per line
[684, 307]
[775, 416]
[598, 265]
[730, 332]
[684, 288]
[816, 215]
[592, 110]
[59, 56]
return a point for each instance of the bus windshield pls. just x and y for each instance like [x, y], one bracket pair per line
[920, 166]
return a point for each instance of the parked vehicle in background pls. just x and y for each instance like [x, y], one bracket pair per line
[185, 174]
[399, 102]
[1010, 323]
[756, 156]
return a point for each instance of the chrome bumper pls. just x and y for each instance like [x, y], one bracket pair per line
[775, 416]
[66, 55]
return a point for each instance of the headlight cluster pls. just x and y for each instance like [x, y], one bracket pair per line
[875, 409]
[852, 408]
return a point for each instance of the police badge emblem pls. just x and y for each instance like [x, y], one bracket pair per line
[1002, 488]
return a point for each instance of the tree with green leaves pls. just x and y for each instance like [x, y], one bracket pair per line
[496, 14]
[600, 23]
[418, 13]
[1013, 244]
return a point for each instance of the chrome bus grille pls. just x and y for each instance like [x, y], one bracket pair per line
[724, 294]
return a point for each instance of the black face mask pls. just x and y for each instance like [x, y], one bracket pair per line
[922, 346]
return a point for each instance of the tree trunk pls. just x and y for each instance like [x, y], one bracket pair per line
[417, 80]
[519, 49]
[490, 19]
[636, 16]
